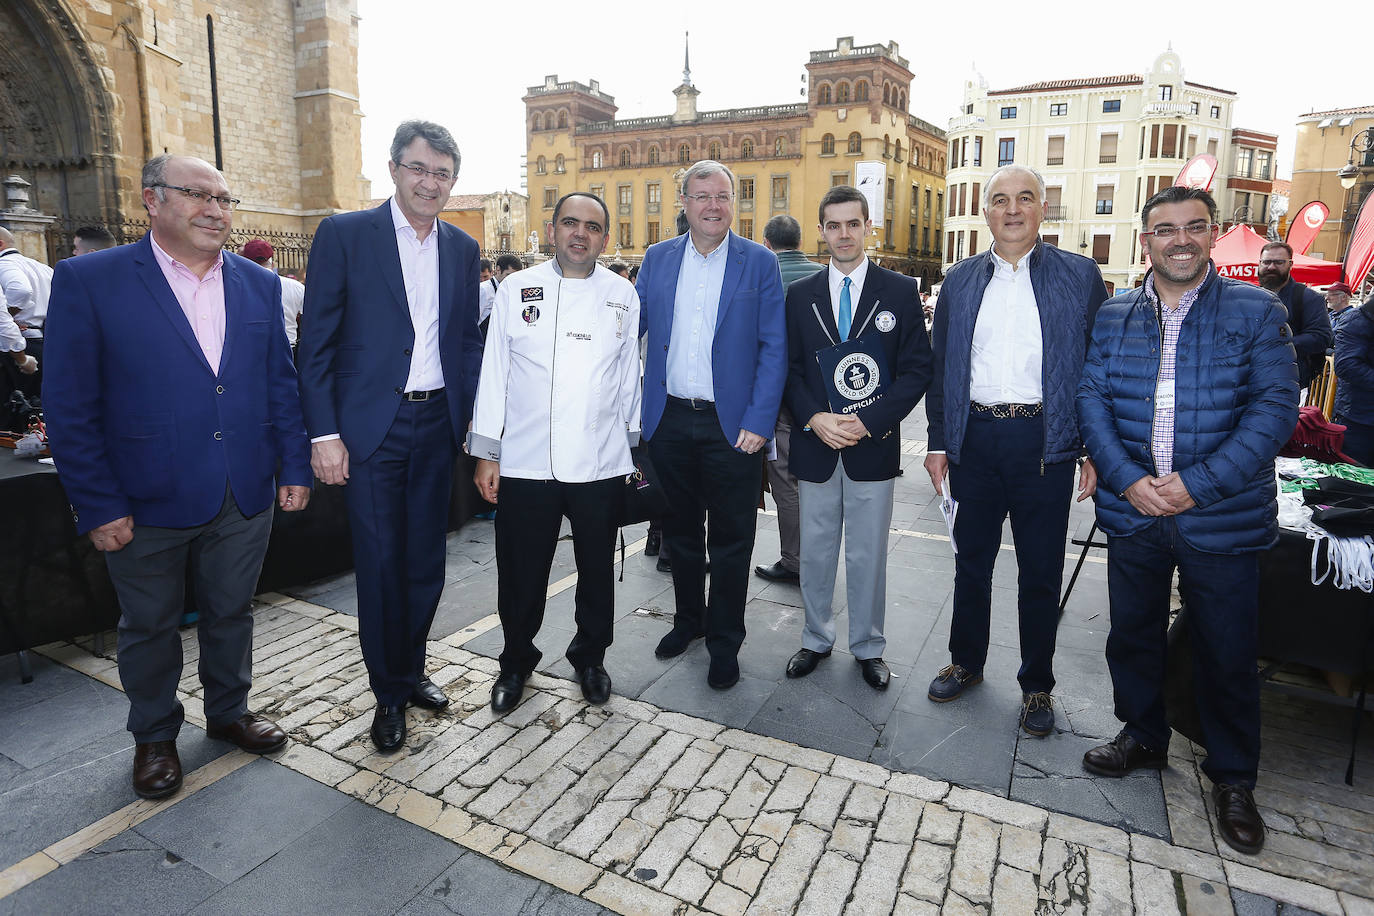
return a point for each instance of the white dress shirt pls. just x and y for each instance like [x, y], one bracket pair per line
[26, 284]
[486, 296]
[856, 289]
[696, 306]
[1006, 363]
[292, 300]
[420, 270]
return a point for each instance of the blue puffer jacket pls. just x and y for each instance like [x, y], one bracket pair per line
[1355, 366]
[1068, 291]
[1236, 403]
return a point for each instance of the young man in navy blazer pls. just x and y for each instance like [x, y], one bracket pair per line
[716, 359]
[847, 462]
[388, 361]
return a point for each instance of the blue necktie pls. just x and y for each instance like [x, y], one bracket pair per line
[846, 310]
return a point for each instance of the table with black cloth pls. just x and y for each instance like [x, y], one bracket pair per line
[53, 582]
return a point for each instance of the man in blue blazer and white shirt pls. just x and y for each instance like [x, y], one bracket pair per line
[171, 407]
[716, 359]
[388, 364]
[847, 463]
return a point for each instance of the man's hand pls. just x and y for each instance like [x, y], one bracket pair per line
[836, 430]
[293, 498]
[488, 479]
[748, 442]
[26, 362]
[1172, 490]
[329, 461]
[937, 466]
[112, 536]
[1146, 499]
[1087, 480]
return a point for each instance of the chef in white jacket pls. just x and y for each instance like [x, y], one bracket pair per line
[557, 411]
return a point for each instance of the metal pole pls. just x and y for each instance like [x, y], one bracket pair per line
[214, 92]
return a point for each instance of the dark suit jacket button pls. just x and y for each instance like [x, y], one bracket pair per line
[219, 389]
[398, 391]
[407, 351]
[219, 435]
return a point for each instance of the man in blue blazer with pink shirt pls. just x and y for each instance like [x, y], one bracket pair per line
[173, 418]
[711, 304]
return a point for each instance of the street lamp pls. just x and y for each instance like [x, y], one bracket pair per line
[1362, 144]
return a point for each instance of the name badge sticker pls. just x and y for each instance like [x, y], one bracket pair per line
[1164, 394]
[885, 321]
[532, 294]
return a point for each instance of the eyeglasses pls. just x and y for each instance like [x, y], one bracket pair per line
[419, 171]
[723, 198]
[1165, 233]
[1271, 262]
[200, 197]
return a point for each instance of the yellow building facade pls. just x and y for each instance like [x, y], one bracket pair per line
[784, 157]
[1327, 142]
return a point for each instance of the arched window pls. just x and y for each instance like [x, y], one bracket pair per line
[684, 154]
[596, 159]
[540, 167]
[901, 101]
[828, 145]
[558, 164]
[780, 147]
[713, 151]
[887, 93]
[538, 122]
[823, 94]
[861, 91]
[562, 119]
[653, 155]
[855, 143]
[898, 155]
[746, 149]
[842, 93]
[887, 146]
[625, 157]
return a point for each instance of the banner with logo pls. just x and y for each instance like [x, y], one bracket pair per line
[1198, 172]
[870, 178]
[1359, 256]
[1305, 225]
[855, 373]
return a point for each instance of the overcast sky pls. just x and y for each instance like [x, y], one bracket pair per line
[467, 65]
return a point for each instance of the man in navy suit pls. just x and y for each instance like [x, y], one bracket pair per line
[171, 405]
[847, 458]
[388, 364]
[712, 306]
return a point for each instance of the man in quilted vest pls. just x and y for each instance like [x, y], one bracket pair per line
[1188, 393]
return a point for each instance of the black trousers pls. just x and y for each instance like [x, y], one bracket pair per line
[713, 491]
[527, 523]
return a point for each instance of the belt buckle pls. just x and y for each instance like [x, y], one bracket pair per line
[416, 395]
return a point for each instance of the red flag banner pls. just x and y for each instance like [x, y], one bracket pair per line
[1198, 172]
[1306, 224]
[1359, 256]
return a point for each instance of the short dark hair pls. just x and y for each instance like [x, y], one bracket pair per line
[842, 194]
[509, 262]
[619, 267]
[783, 233]
[437, 136]
[1177, 194]
[588, 194]
[680, 222]
[1276, 244]
[634, 272]
[95, 236]
[484, 264]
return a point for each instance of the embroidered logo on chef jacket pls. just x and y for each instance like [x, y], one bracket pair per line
[578, 335]
[530, 313]
[532, 294]
[621, 311]
[885, 321]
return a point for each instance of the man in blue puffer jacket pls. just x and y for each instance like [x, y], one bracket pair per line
[1009, 338]
[1189, 391]
[1355, 390]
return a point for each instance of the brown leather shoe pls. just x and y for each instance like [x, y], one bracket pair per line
[251, 732]
[1238, 819]
[157, 769]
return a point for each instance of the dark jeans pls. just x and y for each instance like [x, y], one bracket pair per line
[531, 513]
[1000, 474]
[398, 510]
[707, 480]
[1222, 595]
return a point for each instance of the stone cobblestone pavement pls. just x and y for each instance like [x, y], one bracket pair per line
[642, 810]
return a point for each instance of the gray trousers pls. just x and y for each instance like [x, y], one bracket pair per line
[862, 510]
[784, 489]
[149, 576]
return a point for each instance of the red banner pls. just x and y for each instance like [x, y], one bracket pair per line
[1198, 172]
[1306, 224]
[1359, 256]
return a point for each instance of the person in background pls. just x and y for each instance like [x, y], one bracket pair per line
[260, 252]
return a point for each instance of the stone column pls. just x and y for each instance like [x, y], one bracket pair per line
[327, 113]
[29, 227]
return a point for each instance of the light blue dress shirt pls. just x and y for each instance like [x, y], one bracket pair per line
[695, 307]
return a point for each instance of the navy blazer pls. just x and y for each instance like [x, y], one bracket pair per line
[811, 327]
[356, 333]
[749, 350]
[138, 423]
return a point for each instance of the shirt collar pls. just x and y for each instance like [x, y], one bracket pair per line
[399, 221]
[856, 276]
[1004, 264]
[710, 255]
[1184, 301]
[166, 260]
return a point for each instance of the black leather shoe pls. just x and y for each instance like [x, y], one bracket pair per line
[428, 695]
[875, 672]
[1238, 819]
[506, 692]
[1037, 713]
[950, 682]
[1121, 756]
[251, 732]
[596, 684]
[723, 673]
[389, 728]
[653, 542]
[804, 662]
[675, 643]
[664, 564]
[776, 573]
[157, 769]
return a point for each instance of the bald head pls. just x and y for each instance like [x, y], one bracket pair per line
[6, 239]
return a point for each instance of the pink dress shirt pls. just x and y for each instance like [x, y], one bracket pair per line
[200, 298]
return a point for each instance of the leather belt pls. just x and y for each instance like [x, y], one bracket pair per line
[1006, 411]
[421, 395]
[693, 403]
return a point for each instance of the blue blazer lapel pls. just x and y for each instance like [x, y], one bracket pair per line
[233, 308]
[151, 274]
[389, 256]
[818, 287]
[734, 270]
[872, 296]
[448, 274]
[668, 278]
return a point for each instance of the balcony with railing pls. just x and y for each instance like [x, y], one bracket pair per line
[964, 122]
[1056, 214]
[1165, 110]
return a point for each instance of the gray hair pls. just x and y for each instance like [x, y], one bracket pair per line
[1039, 180]
[155, 173]
[705, 168]
[437, 136]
